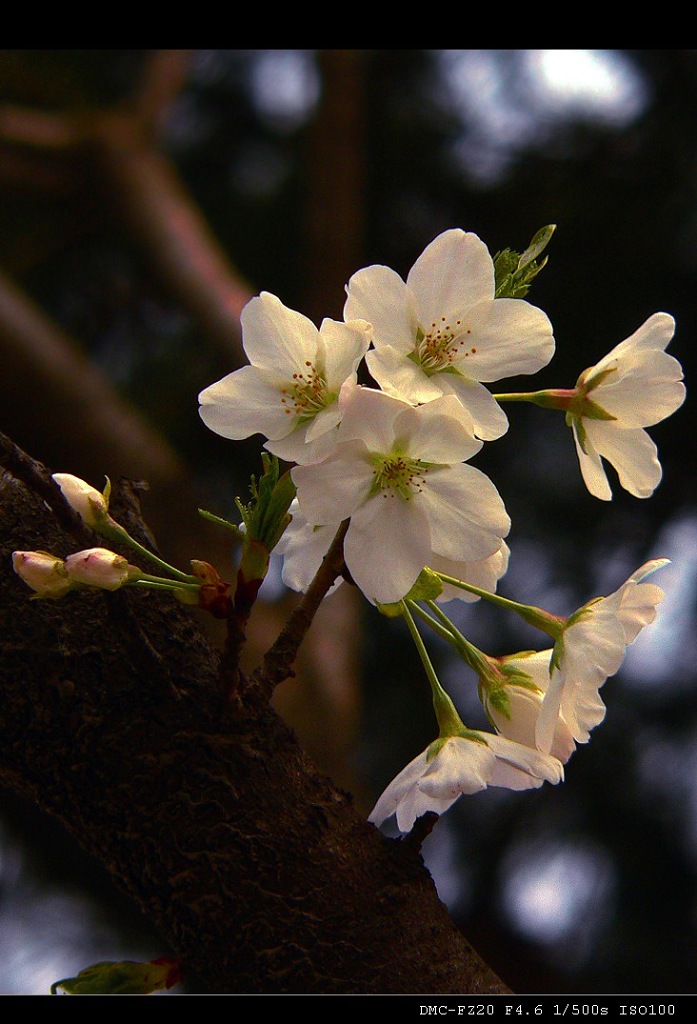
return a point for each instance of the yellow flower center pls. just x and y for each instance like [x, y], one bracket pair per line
[438, 349]
[306, 394]
[397, 475]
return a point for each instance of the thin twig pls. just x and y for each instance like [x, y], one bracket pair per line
[279, 659]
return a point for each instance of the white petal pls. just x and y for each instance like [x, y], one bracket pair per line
[437, 432]
[484, 573]
[275, 337]
[300, 447]
[592, 469]
[332, 490]
[632, 452]
[505, 337]
[489, 419]
[369, 416]
[246, 402]
[303, 547]
[416, 803]
[655, 333]
[380, 296]
[521, 767]
[401, 377]
[460, 766]
[644, 389]
[452, 274]
[549, 712]
[344, 346]
[466, 515]
[525, 707]
[397, 789]
[386, 547]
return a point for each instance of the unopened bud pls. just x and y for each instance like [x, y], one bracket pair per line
[44, 573]
[90, 504]
[98, 567]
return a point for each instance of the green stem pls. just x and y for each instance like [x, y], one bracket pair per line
[442, 631]
[113, 529]
[475, 658]
[158, 583]
[552, 398]
[550, 624]
[449, 722]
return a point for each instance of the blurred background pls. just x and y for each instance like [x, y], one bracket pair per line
[144, 197]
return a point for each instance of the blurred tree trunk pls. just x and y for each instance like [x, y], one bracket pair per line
[254, 868]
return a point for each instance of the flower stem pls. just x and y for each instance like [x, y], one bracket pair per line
[449, 722]
[159, 583]
[114, 530]
[552, 625]
[475, 658]
[552, 398]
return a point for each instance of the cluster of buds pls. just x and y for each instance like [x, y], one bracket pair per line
[53, 577]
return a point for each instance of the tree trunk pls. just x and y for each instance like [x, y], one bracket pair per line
[253, 866]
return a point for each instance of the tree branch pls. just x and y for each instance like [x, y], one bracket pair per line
[256, 870]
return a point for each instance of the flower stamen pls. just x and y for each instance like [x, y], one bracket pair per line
[307, 394]
[439, 349]
[396, 474]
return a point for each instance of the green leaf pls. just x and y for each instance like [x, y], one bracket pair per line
[514, 273]
[126, 977]
[266, 516]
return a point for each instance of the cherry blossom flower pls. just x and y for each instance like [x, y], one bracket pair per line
[303, 547]
[514, 705]
[457, 765]
[291, 388]
[636, 385]
[43, 572]
[398, 472]
[590, 649]
[443, 332]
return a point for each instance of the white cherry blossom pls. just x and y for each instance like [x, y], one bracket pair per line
[399, 473]
[291, 388]
[442, 332]
[459, 765]
[636, 385]
[525, 680]
[590, 649]
[303, 547]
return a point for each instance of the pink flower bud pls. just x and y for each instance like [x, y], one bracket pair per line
[90, 504]
[43, 572]
[97, 567]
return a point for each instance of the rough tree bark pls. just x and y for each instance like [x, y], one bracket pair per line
[253, 866]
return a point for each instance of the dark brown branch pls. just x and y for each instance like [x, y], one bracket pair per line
[279, 659]
[256, 870]
[38, 480]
